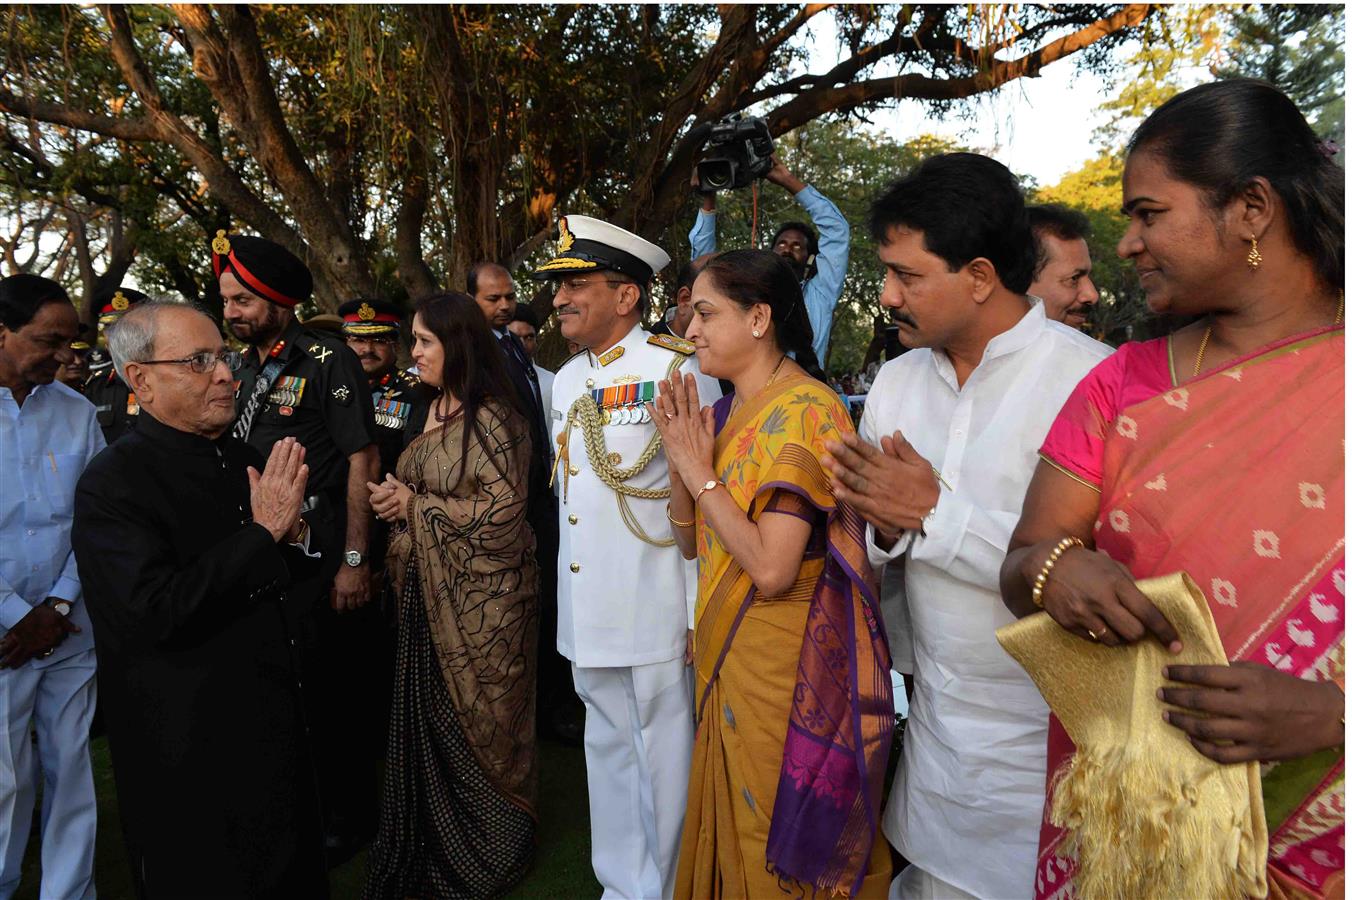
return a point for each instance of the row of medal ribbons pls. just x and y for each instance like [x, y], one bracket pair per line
[623, 404]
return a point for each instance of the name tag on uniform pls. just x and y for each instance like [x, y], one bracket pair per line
[287, 391]
[623, 404]
[392, 413]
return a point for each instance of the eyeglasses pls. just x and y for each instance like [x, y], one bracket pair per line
[203, 362]
[577, 285]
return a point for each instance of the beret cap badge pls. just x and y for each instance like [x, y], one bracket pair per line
[220, 244]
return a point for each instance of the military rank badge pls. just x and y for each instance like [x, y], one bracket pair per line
[392, 413]
[623, 404]
[287, 391]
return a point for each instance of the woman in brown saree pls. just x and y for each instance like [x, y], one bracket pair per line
[458, 816]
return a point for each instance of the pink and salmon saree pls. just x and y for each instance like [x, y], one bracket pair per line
[1237, 478]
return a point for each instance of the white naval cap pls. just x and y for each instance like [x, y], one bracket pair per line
[587, 244]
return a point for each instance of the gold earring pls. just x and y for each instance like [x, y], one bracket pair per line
[1255, 258]
[755, 334]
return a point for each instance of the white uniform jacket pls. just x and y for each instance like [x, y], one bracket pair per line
[622, 602]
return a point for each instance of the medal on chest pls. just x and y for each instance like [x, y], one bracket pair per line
[286, 393]
[624, 404]
[392, 413]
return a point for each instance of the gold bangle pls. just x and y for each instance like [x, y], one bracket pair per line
[677, 522]
[1041, 581]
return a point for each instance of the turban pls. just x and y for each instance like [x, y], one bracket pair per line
[262, 267]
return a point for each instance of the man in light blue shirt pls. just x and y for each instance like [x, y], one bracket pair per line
[48, 434]
[820, 262]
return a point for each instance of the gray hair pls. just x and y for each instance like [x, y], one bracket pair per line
[132, 337]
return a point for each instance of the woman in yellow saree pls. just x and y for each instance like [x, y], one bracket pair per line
[793, 691]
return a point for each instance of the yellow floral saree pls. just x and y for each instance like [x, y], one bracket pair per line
[794, 693]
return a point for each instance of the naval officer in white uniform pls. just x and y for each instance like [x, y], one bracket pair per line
[626, 596]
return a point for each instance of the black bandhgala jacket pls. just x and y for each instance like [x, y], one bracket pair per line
[197, 669]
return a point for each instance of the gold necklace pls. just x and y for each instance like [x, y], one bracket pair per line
[738, 400]
[1206, 338]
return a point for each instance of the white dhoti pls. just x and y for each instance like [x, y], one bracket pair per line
[638, 743]
[58, 699]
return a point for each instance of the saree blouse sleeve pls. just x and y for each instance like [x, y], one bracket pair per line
[1075, 442]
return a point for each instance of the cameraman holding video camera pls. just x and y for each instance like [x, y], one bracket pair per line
[819, 262]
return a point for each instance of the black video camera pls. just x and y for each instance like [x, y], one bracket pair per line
[737, 153]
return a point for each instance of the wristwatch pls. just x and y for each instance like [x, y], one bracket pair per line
[353, 558]
[708, 486]
[62, 607]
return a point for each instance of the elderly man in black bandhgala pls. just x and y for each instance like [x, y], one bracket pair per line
[186, 543]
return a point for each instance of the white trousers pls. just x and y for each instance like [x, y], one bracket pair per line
[59, 700]
[639, 738]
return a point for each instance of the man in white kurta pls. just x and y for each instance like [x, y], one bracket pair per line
[973, 401]
[624, 588]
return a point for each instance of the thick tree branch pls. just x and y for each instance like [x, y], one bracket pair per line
[171, 129]
[140, 129]
[808, 106]
[414, 273]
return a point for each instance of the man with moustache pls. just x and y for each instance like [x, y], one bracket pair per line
[946, 448]
[186, 544]
[113, 400]
[1062, 277]
[820, 263]
[373, 330]
[558, 713]
[308, 385]
[626, 595]
[48, 435]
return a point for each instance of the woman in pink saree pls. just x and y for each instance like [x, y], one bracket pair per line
[1218, 451]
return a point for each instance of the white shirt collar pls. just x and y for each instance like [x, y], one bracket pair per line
[1024, 333]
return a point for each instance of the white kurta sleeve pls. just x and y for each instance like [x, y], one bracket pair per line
[965, 541]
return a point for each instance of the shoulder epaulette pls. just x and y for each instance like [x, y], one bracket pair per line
[672, 343]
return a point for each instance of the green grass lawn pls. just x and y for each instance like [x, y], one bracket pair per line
[562, 866]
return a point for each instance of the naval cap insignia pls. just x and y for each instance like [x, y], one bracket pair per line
[565, 236]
